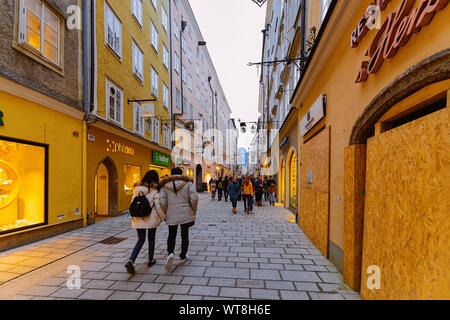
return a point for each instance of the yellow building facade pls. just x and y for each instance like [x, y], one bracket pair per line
[128, 130]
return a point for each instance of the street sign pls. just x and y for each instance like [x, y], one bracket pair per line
[148, 110]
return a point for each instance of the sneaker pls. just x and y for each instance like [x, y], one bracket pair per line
[151, 263]
[186, 259]
[130, 267]
[169, 262]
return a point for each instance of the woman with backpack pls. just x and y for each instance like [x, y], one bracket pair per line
[146, 190]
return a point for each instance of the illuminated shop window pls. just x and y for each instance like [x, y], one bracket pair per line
[132, 176]
[293, 182]
[22, 185]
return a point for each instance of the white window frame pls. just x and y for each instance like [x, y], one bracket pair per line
[138, 120]
[165, 96]
[155, 130]
[189, 54]
[176, 29]
[183, 73]
[324, 6]
[154, 36]
[176, 63]
[137, 11]
[155, 5]
[138, 61]
[165, 19]
[117, 31]
[165, 56]
[23, 31]
[197, 69]
[109, 86]
[189, 82]
[155, 80]
[166, 137]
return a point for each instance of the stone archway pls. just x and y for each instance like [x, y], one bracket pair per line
[106, 191]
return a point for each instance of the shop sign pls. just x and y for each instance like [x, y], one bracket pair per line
[313, 116]
[91, 138]
[161, 159]
[117, 147]
[148, 110]
[395, 32]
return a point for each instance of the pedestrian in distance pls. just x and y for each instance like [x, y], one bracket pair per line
[213, 188]
[240, 181]
[219, 189]
[271, 187]
[234, 191]
[148, 188]
[266, 190]
[258, 191]
[248, 195]
[226, 181]
[178, 193]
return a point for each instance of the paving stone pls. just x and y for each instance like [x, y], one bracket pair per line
[125, 295]
[264, 294]
[96, 275]
[98, 284]
[169, 279]
[306, 286]
[301, 276]
[185, 297]
[227, 273]
[94, 266]
[272, 266]
[326, 296]
[250, 283]
[150, 287]
[279, 285]
[294, 295]
[95, 294]
[235, 292]
[124, 286]
[222, 282]
[204, 290]
[314, 268]
[330, 277]
[155, 296]
[52, 282]
[68, 293]
[176, 289]
[39, 290]
[265, 274]
[189, 271]
[199, 281]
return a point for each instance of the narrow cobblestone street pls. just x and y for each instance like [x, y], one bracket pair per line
[260, 256]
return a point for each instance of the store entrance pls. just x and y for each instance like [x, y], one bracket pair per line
[106, 189]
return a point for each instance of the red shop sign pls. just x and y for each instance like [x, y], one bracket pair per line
[395, 32]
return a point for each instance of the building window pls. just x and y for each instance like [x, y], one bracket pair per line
[138, 61]
[189, 82]
[138, 119]
[183, 43]
[177, 63]
[177, 98]
[132, 176]
[191, 112]
[136, 10]
[198, 94]
[183, 73]
[165, 57]
[154, 35]
[189, 53]
[155, 130]
[114, 102]
[166, 132]
[155, 83]
[184, 106]
[324, 5]
[165, 19]
[40, 29]
[23, 185]
[113, 31]
[176, 29]
[197, 69]
[165, 96]
[155, 4]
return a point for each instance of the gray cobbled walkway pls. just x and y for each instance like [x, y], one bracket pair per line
[260, 256]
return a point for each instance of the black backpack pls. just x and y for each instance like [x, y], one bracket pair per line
[140, 207]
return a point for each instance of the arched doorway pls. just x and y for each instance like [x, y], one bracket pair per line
[199, 178]
[282, 183]
[106, 189]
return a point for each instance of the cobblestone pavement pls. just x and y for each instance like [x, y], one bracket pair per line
[259, 256]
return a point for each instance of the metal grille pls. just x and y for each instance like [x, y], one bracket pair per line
[112, 240]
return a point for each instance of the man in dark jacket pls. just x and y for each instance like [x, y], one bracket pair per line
[234, 190]
[225, 188]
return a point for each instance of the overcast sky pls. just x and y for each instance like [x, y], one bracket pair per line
[232, 30]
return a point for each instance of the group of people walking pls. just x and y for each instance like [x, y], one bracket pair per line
[245, 189]
[173, 200]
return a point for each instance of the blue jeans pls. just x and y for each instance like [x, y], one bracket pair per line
[141, 240]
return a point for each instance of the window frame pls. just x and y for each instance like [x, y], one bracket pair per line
[139, 20]
[110, 84]
[165, 101]
[134, 46]
[154, 72]
[138, 109]
[153, 32]
[106, 18]
[156, 129]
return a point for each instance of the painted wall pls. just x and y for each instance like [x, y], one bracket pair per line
[346, 100]
[120, 71]
[30, 121]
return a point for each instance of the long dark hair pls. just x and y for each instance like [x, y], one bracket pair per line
[150, 178]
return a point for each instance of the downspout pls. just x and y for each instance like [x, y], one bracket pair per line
[171, 123]
[86, 105]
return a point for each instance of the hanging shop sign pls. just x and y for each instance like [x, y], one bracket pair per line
[395, 32]
[117, 147]
[313, 116]
[161, 159]
[148, 110]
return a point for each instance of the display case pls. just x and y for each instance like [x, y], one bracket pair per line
[22, 185]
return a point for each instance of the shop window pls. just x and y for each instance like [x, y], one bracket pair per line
[39, 28]
[293, 182]
[132, 176]
[22, 185]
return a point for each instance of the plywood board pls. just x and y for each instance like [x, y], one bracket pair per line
[406, 220]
